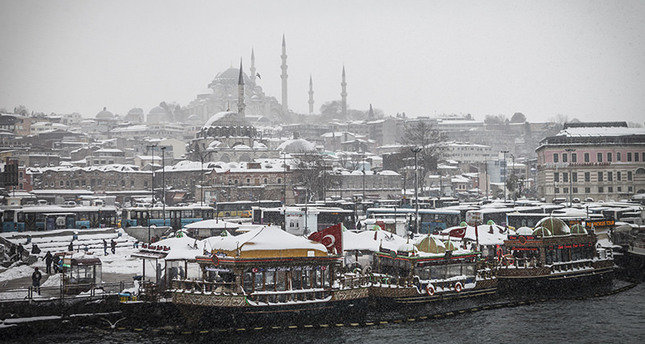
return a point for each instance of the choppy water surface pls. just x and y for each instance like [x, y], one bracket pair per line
[612, 319]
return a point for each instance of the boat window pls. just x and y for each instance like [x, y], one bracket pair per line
[259, 281]
[270, 281]
[296, 279]
[468, 270]
[453, 270]
[247, 281]
[281, 280]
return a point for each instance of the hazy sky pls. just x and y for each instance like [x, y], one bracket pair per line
[584, 59]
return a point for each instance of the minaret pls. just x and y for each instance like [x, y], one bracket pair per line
[311, 95]
[253, 73]
[285, 104]
[343, 95]
[240, 93]
[370, 114]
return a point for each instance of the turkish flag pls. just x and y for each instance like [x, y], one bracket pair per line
[458, 232]
[331, 237]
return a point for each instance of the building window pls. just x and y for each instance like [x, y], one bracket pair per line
[629, 189]
[619, 189]
[556, 177]
[643, 154]
[610, 176]
[557, 190]
[265, 181]
[564, 157]
[575, 190]
[599, 157]
[555, 157]
[629, 156]
[618, 176]
[587, 176]
[574, 157]
[574, 177]
[279, 180]
[609, 157]
[629, 175]
[248, 180]
[587, 190]
[600, 176]
[586, 157]
[617, 156]
[565, 177]
[565, 190]
[636, 157]
[610, 189]
[600, 189]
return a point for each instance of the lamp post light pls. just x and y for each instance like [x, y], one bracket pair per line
[416, 151]
[163, 183]
[570, 177]
[152, 175]
[504, 160]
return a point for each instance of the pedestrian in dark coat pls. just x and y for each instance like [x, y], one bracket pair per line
[71, 246]
[55, 261]
[35, 280]
[35, 249]
[20, 250]
[105, 247]
[48, 262]
[113, 246]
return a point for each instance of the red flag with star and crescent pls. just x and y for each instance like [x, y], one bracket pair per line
[331, 237]
[458, 232]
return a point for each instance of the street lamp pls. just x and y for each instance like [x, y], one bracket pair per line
[570, 177]
[202, 156]
[416, 151]
[152, 176]
[504, 160]
[163, 183]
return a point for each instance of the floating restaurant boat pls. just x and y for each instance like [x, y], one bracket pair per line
[429, 271]
[268, 276]
[554, 257]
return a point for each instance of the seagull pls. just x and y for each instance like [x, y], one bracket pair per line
[112, 325]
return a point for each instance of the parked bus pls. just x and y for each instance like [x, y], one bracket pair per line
[431, 220]
[50, 217]
[242, 208]
[176, 217]
[299, 219]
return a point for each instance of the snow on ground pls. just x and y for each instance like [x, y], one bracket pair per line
[121, 262]
[52, 281]
[16, 272]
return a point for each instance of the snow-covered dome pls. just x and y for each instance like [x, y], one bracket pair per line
[524, 231]
[578, 229]
[407, 247]
[135, 111]
[388, 173]
[542, 232]
[105, 114]
[297, 146]
[158, 114]
[554, 225]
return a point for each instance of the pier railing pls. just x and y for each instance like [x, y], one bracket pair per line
[73, 291]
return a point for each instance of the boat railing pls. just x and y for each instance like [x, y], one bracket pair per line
[350, 281]
[283, 296]
[582, 264]
[205, 287]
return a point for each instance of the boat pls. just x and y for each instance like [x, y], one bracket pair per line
[554, 257]
[267, 276]
[429, 272]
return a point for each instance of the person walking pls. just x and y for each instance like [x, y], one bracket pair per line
[113, 246]
[71, 246]
[48, 262]
[35, 280]
[105, 247]
[55, 261]
[19, 252]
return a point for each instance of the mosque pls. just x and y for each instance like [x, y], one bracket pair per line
[230, 136]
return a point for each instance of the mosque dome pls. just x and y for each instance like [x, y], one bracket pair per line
[229, 77]
[158, 114]
[135, 111]
[297, 146]
[554, 225]
[105, 114]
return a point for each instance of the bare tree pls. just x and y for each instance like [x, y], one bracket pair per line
[311, 173]
[425, 136]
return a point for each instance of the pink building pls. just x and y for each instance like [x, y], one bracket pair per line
[602, 161]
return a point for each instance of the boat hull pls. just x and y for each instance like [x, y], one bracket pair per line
[349, 305]
[557, 284]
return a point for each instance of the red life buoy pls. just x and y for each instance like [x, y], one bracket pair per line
[458, 287]
[430, 290]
